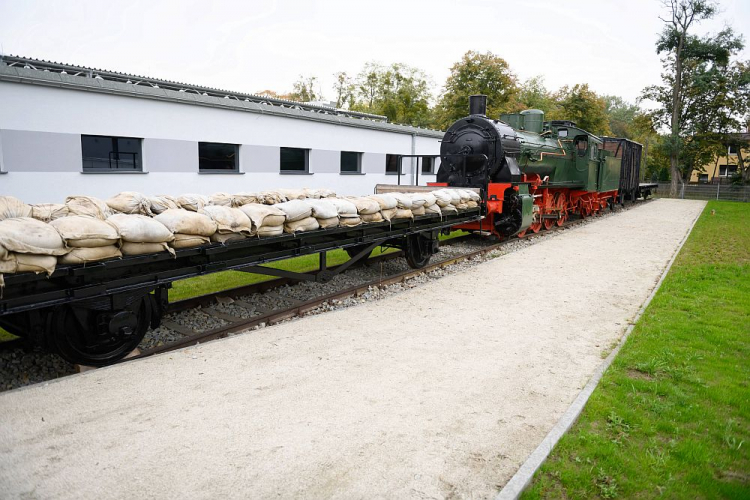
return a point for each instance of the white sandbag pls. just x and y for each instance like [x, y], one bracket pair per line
[293, 194]
[88, 205]
[85, 232]
[403, 200]
[433, 209]
[46, 212]
[455, 196]
[189, 240]
[27, 235]
[388, 213]
[429, 199]
[86, 255]
[330, 222]
[323, 208]
[267, 231]
[448, 209]
[365, 206]
[135, 248]
[369, 218]
[229, 220]
[11, 207]
[140, 229]
[298, 226]
[418, 211]
[271, 197]
[295, 210]
[192, 202]
[187, 222]
[22, 263]
[386, 201]
[402, 213]
[462, 206]
[244, 198]
[344, 207]
[465, 195]
[319, 193]
[227, 237]
[130, 202]
[472, 204]
[221, 199]
[417, 200]
[474, 196]
[442, 198]
[350, 220]
[263, 215]
[162, 202]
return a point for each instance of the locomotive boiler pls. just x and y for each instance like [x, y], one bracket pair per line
[532, 174]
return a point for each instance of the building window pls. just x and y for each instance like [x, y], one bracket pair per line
[351, 162]
[213, 156]
[391, 164]
[428, 164]
[703, 178]
[295, 160]
[727, 170]
[733, 149]
[111, 154]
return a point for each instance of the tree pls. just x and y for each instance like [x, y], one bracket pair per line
[400, 92]
[306, 90]
[532, 94]
[476, 73]
[620, 115]
[343, 87]
[684, 54]
[583, 106]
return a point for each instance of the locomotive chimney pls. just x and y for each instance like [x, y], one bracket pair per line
[478, 105]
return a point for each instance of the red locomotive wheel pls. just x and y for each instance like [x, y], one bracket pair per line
[561, 206]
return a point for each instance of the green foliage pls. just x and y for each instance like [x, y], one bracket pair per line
[306, 89]
[583, 106]
[671, 416]
[476, 73]
[398, 91]
[532, 94]
[621, 115]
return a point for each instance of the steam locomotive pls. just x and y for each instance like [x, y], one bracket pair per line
[534, 174]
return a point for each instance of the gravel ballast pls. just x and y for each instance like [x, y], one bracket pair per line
[441, 391]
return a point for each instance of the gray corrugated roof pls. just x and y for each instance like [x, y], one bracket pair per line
[24, 70]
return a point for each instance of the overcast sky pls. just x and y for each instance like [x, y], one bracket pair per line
[250, 46]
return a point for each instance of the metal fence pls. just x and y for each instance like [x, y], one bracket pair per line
[706, 192]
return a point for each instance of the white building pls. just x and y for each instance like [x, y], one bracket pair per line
[71, 130]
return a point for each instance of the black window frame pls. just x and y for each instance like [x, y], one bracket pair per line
[427, 160]
[358, 161]
[306, 160]
[201, 154]
[732, 149]
[395, 159]
[115, 157]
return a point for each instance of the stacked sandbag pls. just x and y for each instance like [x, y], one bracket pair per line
[293, 194]
[130, 202]
[324, 211]
[367, 209]
[267, 220]
[348, 216]
[90, 239]
[192, 202]
[445, 199]
[141, 234]
[231, 223]
[418, 203]
[46, 212]
[270, 197]
[403, 208]
[244, 198]
[298, 216]
[319, 193]
[89, 206]
[431, 207]
[11, 207]
[190, 229]
[221, 199]
[162, 202]
[27, 244]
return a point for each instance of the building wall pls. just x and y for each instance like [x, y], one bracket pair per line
[40, 146]
[712, 170]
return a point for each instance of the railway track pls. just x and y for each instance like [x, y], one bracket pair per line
[221, 308]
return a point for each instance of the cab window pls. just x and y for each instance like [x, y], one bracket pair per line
[594, 151]
[582, 144]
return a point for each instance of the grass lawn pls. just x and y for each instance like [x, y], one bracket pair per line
[671, 416]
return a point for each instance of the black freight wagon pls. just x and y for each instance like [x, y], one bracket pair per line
[630, 171]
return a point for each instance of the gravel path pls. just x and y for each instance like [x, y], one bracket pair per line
[440, 392]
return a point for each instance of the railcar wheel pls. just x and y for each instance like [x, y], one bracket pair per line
[93, 337]
[418, 250]
[561, 205]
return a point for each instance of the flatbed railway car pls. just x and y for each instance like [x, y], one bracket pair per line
[96, 314]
